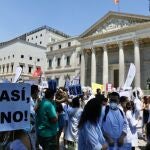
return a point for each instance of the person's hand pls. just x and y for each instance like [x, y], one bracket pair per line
[111, 142]
[120, 141]
[104, 147]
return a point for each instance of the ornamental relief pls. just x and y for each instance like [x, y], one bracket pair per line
[115, 24]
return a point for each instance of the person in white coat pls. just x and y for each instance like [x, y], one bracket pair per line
[133, 122]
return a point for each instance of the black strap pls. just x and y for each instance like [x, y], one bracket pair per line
[107, 110]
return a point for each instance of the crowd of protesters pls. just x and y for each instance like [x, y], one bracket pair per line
[86, 122]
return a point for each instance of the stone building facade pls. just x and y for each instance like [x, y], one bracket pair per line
[106, 50]
[27, 51]
[111, 44]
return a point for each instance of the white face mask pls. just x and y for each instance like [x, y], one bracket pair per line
[113, 105]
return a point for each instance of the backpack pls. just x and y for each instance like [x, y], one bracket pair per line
[107, 110]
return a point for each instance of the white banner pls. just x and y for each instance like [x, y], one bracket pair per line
[130, 77]
[17, 74]
[14, 106]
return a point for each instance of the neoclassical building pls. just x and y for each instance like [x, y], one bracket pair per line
[103, 53]
[27, 51]
[64, 59]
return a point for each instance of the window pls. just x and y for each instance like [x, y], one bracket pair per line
[68, 61]
[51, 48]
[30, 69]
[12, 66]
[40, 34]
[8, 57]
[53, 40]
[30, 58]
[38, 59]
[7, 68]
[59, 46]
[13, 56]
[80, 58]
[22, 56]
[3, 68]
[58, 62]
[21, 66]
[40, 42]
[36, 37]
[50, 63]
[32, 38]
[69, 44]
[57, 81]
[4, 58]
[28, 39]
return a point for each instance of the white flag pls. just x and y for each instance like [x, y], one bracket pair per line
[130, 77]
[17, 74]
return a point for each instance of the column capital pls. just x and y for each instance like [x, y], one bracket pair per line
[120, 44]
[104, 47]
[93, 50]
[83, 51]
[136, 41]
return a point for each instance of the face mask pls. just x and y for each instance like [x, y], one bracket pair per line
[113, 105]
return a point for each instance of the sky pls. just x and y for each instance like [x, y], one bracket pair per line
[72, 17]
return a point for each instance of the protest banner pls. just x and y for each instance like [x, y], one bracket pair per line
[17, 74]
[75, 90]
[96, 86]
[14, 106]
[130, 77]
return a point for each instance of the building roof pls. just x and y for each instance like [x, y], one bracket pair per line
[49, 29]
[23, 37]
[111, 14]
[5, 44]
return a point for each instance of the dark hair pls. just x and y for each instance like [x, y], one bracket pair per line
[91, 112]
[133, 107]
[114, 94]
[75, 102]
[34, 88]
[123, 99]
[114, 97]
[98, 90]
[128, 105]
[145, 98]
[49, 93]
[138, 94]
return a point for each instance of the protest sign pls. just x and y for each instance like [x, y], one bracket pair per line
[75, 90]
[96, 86]
[130, 77]
[17, 74]
[14, 106]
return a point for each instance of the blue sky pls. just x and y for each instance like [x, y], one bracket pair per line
[72, 17]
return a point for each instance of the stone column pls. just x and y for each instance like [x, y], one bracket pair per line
[105, 67]
[54, 62]
[82, 68]
[137, 63]
[93, 66]
[121, 65]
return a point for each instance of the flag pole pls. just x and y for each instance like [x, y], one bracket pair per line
[149, 5]
[119, 6]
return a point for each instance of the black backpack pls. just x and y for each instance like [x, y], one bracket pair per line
[107, 110]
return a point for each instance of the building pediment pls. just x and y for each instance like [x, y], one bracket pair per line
[114, 21]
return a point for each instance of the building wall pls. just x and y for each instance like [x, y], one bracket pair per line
[43, 37]
[145, 64]
[69, 47]
[13, 56]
